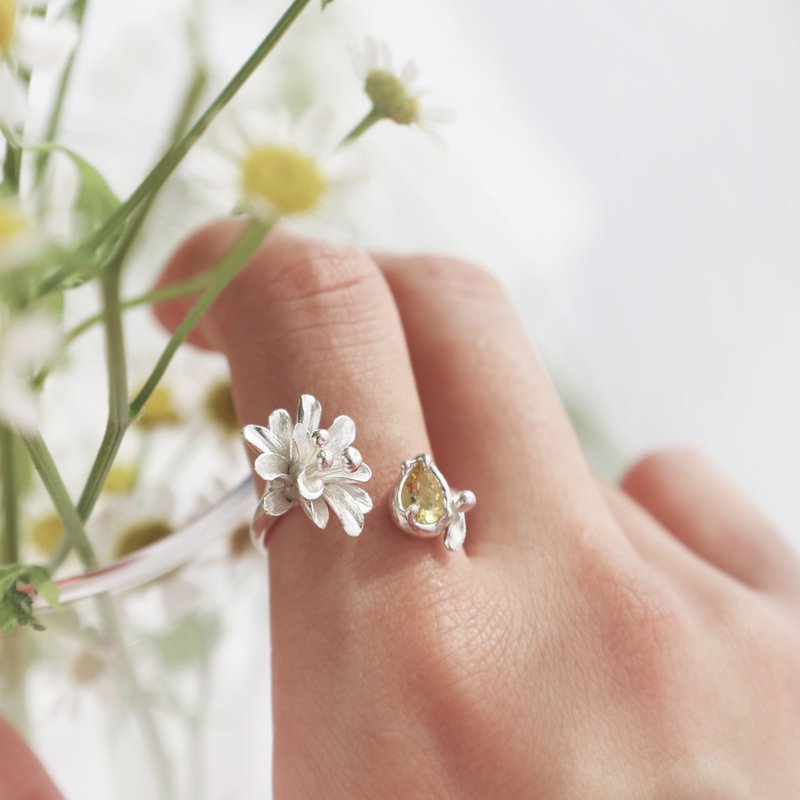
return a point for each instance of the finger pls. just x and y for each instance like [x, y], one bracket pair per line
[699, 505]
[308, 318]
[495, 421]
[21, 774]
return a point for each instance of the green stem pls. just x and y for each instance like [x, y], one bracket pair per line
[13, 161]
[171, 292]
[8, 463]
[117, 423]
[369, 120]
[241, 252]
[77, 12]
[46, 468]
[73, 525]
[166, 166]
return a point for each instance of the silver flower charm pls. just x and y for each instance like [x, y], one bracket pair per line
[315, 467]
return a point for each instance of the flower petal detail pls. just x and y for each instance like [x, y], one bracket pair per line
[275, 503]
[263, 440]
[13, 97]
[317, 511]
[44, 43]
[456, 533]
[360, 496]
[270, 466]
[346, 508]
[280, 423]
[309, 412]
[342, 433]
[310, 486]
[361, 475]
[302, 450]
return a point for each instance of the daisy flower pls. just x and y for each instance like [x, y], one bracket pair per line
[27, 42]
[394, 94]
[273, 168]
[28, 342]
[18, 238]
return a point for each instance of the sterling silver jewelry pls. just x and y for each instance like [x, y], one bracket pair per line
[423, 504]
[304, 464]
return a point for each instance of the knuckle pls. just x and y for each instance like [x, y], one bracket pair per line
[653, 468]
[463, 279]
[315, 272]
[636, 625]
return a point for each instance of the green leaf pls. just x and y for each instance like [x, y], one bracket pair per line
[19, 586]
[326, 3]
[95, 199]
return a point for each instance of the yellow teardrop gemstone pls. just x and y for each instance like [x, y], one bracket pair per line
[422, 488]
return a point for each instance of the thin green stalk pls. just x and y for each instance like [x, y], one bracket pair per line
[241, 252]
[10, 539]
[73, 525]
[362, 127]
[13, 161]
[166, 166]
[171, 292]
[77, 12]
[117, 423]
[68, 513]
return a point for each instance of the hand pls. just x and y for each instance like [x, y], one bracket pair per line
[588, 641]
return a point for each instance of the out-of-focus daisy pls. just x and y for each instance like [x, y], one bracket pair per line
[28, 342]
[28, 42]
[394, 94]
[275, 168]
[128, 522]
[18, 238]
[39, 217]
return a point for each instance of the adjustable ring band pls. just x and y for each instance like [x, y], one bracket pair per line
[424, 505]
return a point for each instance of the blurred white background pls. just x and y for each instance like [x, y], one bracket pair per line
[630, 171]
[645, 158]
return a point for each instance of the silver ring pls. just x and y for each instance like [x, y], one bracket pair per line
[423, 504]
[306, 465]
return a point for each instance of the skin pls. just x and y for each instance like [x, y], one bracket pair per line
[639, 641]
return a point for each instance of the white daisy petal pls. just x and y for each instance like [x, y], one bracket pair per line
[264, 440]
[18, 407]
[309, 412]
[456, 533]
[280, 424]
[346, 508]
[29, 342]
[313, 130]
[275, 503]
[44, 43]
[342, 434]
[409, 74]
[310, 486]
[270, 466]
[317, 511]
[13, 98]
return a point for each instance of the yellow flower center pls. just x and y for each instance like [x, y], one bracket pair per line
[87, 668]
[12, 222]
[8, 14]
[218, 405]
[390, 99]
[141, 535]
[284, 180]
[46, 533]
[159, 410]
[121, 479]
